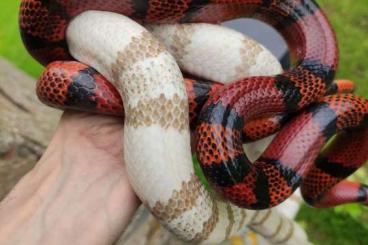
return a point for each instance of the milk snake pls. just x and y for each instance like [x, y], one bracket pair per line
[73, 85]
[309, 35]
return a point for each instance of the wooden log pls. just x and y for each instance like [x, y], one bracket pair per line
[26, 126]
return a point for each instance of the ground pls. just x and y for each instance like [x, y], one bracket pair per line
[343, 225]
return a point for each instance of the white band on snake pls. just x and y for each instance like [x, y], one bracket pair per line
[157, 150]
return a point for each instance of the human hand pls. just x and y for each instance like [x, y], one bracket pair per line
[78, 193]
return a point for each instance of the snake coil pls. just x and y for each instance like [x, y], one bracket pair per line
[156, 132]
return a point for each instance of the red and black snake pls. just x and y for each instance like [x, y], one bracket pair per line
[72, 85]
[292, 157]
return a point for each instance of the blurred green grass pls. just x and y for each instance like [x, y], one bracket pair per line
[343, 225]
[350, 21]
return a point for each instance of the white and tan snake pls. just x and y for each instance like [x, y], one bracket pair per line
[157, 150]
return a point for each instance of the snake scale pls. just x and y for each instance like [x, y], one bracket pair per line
[156, 130]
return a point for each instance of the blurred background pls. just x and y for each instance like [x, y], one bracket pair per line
[341, 225]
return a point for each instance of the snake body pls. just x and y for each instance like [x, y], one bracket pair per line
[156, 133]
